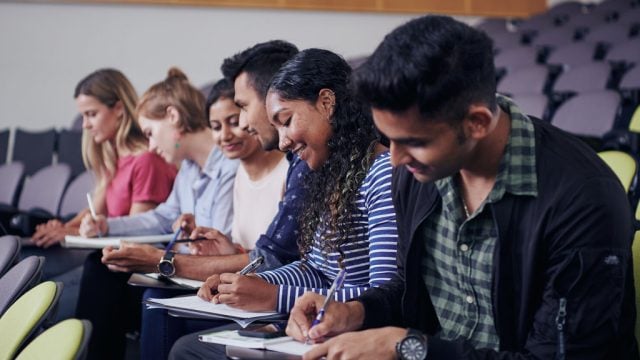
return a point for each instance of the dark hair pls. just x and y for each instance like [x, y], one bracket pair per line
[223, 88]
[435, 62]
[260, 62]
[331, 190]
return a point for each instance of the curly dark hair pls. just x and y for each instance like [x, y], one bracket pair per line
[331, 191]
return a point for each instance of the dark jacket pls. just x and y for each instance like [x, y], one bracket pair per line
[572, 241]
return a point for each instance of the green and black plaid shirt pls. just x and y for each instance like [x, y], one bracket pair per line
[458, 262]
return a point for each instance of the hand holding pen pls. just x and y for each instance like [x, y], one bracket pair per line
[91, 225]
[337, 283]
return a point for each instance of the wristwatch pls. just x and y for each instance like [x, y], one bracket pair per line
[165, 266]
[413, 346]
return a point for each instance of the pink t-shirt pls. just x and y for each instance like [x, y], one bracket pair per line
[142, 178]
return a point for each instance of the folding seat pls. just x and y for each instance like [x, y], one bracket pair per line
[70, 150]
[583, 22]
[34, 149]
[628, 52]
[532, 104]
[630, 85]
[11, 176]
[589, 77]
[493, 26]
[39, 199]
[631, 17]
[26, 316]
[4, 145]
[554, 37]
[589, 115]
[573, 54]
[75, 199]
[529, 80]
[9, 251]
[609, 34]
[516, 58]
[624, 165]
[506, 40]
[67, 340]
[20, 278]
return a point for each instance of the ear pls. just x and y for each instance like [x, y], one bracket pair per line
[326, 102]
[119, 107]
[479, 122]
[173, 116]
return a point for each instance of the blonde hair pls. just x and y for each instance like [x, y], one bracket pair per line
[175, 91]
[110, 86]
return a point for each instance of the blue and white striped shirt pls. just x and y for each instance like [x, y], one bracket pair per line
[369, 255]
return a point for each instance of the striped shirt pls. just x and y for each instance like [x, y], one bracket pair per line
[458, 264]
[369, 255]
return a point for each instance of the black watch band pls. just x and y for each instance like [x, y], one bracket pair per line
[413, 346]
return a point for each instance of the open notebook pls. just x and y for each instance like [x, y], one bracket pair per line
[71, 241]
[193, 306]
[284, 344]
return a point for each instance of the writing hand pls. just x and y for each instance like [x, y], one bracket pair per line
[210, 288]
[372, 344]
[91, 228]
[244, 292]
[217, 243]
[338, 318]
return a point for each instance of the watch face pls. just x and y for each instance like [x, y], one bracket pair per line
[166, 268]
[413, 349]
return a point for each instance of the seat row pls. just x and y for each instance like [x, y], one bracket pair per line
[27, 310]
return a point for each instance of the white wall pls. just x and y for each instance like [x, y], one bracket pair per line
[45, 49]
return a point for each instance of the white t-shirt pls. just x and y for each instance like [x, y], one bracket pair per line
[255, 203]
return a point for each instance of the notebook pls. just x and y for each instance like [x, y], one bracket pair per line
[193, 306]
[71, 241]
[285, 344]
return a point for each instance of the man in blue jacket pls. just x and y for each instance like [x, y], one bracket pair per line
[514, 237]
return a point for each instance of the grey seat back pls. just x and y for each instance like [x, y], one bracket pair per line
[20, 278]
[44, 189]
[588, 114]
[10, 178]
[75, 199]
[9, 251]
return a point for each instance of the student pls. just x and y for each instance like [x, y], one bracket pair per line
[259, 182]
[129, 178]
[170, 115]
[514, 236]
[348, 221]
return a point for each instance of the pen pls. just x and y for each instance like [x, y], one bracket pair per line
[93, 212]
[337, 283]
[190, 240]
[252, 266]
[173, 241]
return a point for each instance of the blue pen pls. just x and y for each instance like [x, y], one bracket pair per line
[173, 241]
[337, 283]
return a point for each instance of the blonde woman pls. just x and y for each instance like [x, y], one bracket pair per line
[129, 178]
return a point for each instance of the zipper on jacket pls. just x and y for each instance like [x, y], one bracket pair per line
[560, 322]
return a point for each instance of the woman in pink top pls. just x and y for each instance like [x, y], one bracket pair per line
[129, 179]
